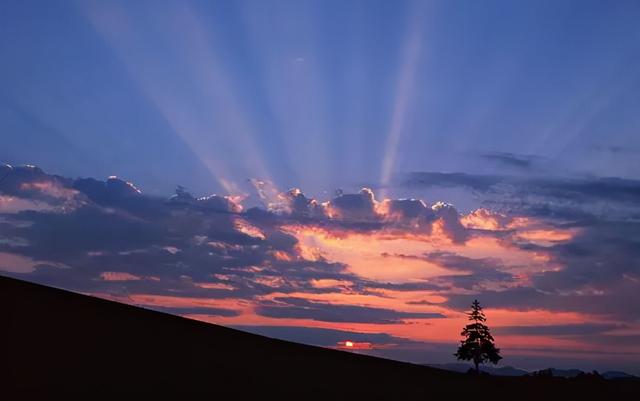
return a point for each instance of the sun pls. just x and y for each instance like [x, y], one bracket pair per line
[348, 344]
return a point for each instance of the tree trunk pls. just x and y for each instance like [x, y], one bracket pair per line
[477, 367]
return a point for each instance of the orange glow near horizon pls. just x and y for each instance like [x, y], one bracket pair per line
[349, 345]
[396, 257]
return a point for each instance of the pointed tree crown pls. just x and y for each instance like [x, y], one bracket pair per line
[476, 312]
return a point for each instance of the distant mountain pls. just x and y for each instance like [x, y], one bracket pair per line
[497, 371]
[56, 344]
[614, 374]
[511, 371]
[566, 373]
[571, 373]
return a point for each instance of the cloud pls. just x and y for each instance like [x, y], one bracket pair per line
[196, 310]
[119, 232]
[119, 276]
[448, 180]
[593, 254]
[57, 236]
[557, 330]
[402, 210]
[361, 212]
[13, 263]
[10, 204]
[616, 149]
[448, 221]
[549, 196]
[349, 261]
[296, 204]
[471, 273]
[612, 304]
[30, 188]
[298, 308]
[505, 159]
[354, 207]
[614, 340]
[480, 271]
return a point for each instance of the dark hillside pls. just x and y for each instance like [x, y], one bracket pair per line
[61, 345]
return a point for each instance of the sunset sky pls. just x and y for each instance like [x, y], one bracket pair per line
[349, 174]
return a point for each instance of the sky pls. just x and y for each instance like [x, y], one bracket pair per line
[332, 171]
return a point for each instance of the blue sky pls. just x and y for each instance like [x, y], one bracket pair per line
[319, 95]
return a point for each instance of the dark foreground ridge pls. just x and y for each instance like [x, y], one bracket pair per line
[60, 345]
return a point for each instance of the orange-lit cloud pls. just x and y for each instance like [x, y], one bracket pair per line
[12, 204]
[50, 188]
[14, 263]
[486, 219]
[247, 228]
[119, 276]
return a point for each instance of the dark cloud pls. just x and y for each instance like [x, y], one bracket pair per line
[355, 207]
[613, 340]
[106, 192]
[480, 271]
[448, 180]
[534, 191]
[33, 184]
[411, 286]
[299, 206]
[512, 160]
[616, 149]
[19, 180]
[599, 272]
[519, 298]
[421, 302]
[614, 303]
[557, 330]
[601, 255]
[298, 308]
[598, 268]
[59, 236]
[409, 209]
[196, 311]
[448, 215]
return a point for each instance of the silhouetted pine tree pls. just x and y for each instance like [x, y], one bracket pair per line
[477, 345]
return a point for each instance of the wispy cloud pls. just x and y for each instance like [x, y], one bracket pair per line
[506, 159]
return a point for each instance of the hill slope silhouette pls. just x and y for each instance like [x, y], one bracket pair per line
[61, 345]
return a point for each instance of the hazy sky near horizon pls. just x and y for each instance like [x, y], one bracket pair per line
[498, 143]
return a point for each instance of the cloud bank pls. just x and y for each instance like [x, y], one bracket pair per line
[407, 268]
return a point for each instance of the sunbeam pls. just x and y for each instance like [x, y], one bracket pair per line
[294, 82]
[412, 50]
[214, 125]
